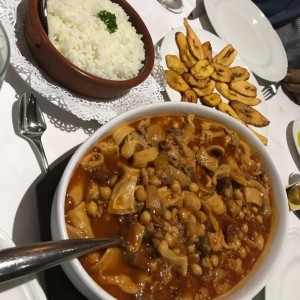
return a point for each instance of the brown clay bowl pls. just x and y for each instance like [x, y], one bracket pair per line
[70, 76]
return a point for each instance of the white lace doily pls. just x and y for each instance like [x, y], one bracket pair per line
[12, 16]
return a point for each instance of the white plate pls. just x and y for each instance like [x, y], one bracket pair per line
[23, 288]
[296, 134]
[169, 46]
[285, 282]
[242, 23]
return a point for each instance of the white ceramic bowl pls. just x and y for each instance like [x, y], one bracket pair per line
[268, 261]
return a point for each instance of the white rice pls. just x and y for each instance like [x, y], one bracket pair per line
[77, 32]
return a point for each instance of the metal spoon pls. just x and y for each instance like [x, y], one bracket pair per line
[23, 260]
[174, 6]
[32, 124]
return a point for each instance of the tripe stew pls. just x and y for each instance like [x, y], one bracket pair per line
[191, 199]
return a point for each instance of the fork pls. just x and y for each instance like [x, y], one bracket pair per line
[270, 90]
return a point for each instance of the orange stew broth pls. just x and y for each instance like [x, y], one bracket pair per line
[108, 225]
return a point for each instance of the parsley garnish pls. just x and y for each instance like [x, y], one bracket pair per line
[109, 20]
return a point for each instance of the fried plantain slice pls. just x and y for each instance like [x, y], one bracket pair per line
[202, 69]
[184, 53]
[189, 96]
[221, 73]
[248, 114]
[193, 82]
[223, 89]
[194, 43]
[239, 73]
[244, 87]
[262, 138]
[225, 108]
[226, 56]
[206, 90]
[207, 50]
[211, 100]
[175, 81]
[174, 63]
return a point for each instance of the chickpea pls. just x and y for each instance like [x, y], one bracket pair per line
[153, 265]
[196, 269]
[176, 251]
[245, 211]
[193, 187]
[255, 209]
[199, 230]
[206, 263]
[167, 215]
[92, 208]
[175, 186]
[194, 258]
[141, 194]
[193, 239]
[105, 192]
[191, 248]
[242, 252]
[154, 180]
[150, 227]
[259, 219]
[169, 239]
[145, 217]
[192, 218]
[260, 242]
[214, 259]
[162, 246]
[201, 216]
[237, 194]
[183, 214]
[241, 215]
[236, 244]
[245, 228]
[151, 171]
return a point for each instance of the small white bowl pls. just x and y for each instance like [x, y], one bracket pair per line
[267, 263]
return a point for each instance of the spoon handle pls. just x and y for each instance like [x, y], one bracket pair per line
[23, 260]
[37, 142]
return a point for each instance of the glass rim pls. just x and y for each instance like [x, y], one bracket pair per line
[7, 58]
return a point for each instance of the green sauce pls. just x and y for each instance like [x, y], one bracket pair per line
[109, 20]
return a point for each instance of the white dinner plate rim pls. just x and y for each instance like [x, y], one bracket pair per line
[275, 288]
[168, 46]
[296, 131]
[266, 72]
[31, 289]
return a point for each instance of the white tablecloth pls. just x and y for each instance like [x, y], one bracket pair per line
[19, 167]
